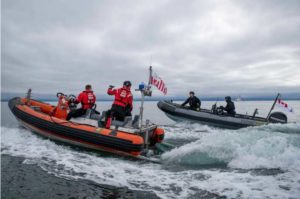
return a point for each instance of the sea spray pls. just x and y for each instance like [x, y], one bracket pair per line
[273, 146]
[66, 162]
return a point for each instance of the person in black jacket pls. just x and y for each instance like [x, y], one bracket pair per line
[193, 101]
[229, 108]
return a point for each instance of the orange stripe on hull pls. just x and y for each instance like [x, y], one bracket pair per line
[75, 141]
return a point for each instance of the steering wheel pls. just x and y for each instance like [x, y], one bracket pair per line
[59, 94]
[71, 97]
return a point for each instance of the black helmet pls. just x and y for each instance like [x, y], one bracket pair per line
[88, 86]
[228, 98]
[127, 83]
[192, 92]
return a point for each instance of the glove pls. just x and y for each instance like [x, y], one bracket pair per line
[111, 86]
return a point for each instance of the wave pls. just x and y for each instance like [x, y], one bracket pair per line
[269, 146]
[63, 161]
[189, 130]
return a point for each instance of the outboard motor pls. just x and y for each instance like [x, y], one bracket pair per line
[277, 117]
[157, 136]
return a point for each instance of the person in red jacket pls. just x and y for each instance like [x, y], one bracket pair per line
[122, 105]
[87, 100]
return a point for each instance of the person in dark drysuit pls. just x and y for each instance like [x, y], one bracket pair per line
[193, 101]
[229, 108]
[87, 100]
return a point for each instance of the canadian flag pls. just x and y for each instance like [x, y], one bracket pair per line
[159, 83]
[284, 105]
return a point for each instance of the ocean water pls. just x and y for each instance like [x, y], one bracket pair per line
[208, 162]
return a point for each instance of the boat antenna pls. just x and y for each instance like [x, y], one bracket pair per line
[28, 96]
[217, 101]
[278, 95]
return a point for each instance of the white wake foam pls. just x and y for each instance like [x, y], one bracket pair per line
[65, 161]
[255, 147]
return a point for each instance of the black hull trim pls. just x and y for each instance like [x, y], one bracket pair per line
[213, 122]
[75, 134]
[206, 120]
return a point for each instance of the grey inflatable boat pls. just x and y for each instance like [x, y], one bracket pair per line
[216, 117]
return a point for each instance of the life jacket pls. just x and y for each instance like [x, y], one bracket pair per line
[62, 108]
[123, 96]
[87, 99]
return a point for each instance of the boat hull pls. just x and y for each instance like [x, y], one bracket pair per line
[177, 113]
[76, 134]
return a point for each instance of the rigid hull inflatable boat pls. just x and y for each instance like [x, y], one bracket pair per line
[49, 121]
[217, 118]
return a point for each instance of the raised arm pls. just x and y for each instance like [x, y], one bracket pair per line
[111, 91]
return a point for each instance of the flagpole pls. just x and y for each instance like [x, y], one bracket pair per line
[278, 95]
[143, 98]
[142, 109]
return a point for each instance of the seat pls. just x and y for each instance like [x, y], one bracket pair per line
[90, 114]
[135, 122]
[36, 108]
[95, 116]
[103, 115]
[127, 121]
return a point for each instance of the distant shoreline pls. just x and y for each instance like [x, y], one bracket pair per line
[156, 100]
[5, 96]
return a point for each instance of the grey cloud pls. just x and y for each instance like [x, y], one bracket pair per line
[212, 47]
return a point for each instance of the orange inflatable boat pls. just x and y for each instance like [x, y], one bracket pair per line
[124, 138]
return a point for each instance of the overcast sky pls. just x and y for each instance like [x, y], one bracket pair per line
[211, 47]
